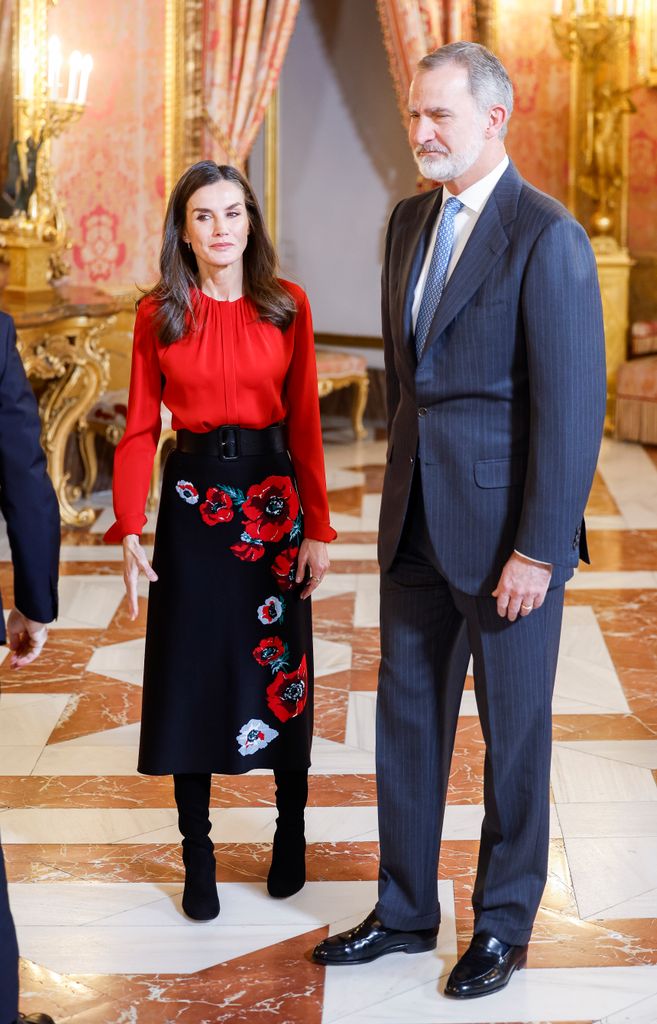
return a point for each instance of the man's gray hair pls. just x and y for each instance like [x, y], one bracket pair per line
[487, 76]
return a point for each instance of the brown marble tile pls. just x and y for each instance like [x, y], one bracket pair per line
[44, 991]
[601, 502]
[330, 711]
[374, 474]
[613, 550]
[119, 791]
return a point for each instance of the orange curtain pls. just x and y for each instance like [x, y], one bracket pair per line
[412, 28]
[245, 46]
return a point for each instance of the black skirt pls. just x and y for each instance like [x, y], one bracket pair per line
[228, 672]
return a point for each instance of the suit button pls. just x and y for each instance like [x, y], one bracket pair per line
[412, 460]
[422, 411]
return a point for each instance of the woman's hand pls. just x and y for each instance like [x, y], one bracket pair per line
[313, 555]
[134, 562]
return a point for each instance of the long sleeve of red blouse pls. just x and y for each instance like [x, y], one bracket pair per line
[233, 369]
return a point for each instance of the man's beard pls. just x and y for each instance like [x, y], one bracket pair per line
[443, 166]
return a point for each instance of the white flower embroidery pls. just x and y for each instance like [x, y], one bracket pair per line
[187, 492]
[271, 611]
[255, 735]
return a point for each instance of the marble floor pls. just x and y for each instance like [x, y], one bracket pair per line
[92, 848]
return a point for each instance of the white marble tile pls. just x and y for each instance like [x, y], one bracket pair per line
[81, 825]
[349, 990]
[613, 878]
[628, 819]
[331, 758]
[330, 656]
[230, 824]
[366, 610]
[367, 521]
[558, 994]
[361, 720]
[585, 672]
[88, 602]
[78, 903]
[642, 753]
[640, 579]
[643, 1012]
[631, 478]
[352, 552]
[93, 553]
[151, 935]
[610, 522]
[4, 651]
[338, 479]
[59, 759]
[335, 584]
[584, 778]
[27, 720]
[123, 661]
[18, 760]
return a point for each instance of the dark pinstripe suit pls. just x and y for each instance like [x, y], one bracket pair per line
[29, 507]
[493, 442]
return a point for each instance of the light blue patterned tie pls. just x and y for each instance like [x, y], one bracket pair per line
[435, 282]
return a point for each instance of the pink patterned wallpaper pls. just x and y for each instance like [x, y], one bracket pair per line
[109, 166]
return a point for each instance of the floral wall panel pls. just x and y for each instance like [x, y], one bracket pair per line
[109, 166]
[538, 135]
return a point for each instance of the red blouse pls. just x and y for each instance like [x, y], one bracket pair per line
[233, 369]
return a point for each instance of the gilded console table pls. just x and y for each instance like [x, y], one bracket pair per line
[59, 342]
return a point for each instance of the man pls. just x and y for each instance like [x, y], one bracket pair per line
[30, 510]
[496, 389]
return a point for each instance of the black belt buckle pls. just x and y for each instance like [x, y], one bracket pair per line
[229, 447]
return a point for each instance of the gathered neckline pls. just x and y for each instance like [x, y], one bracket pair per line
[223, 302]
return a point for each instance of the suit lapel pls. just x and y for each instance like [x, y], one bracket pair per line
[417, 238]
[482, 251]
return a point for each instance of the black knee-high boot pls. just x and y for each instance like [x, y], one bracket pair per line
[287, 873]
[200, 900]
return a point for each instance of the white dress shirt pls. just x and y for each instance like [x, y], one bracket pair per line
[474, 199]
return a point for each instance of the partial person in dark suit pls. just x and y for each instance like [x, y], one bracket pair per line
[30, 510]
[496, 389]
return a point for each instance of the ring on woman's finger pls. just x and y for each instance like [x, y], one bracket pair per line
[317, 579]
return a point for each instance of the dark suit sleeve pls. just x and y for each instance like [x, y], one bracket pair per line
[564, 333]
[392, 380]
[27, 498]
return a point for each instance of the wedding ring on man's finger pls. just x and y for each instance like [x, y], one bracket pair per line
[527, 607]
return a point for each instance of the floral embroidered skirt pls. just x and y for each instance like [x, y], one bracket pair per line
[228, 672]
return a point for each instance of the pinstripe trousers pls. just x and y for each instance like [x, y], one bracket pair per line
[8, 954]
[428, 628]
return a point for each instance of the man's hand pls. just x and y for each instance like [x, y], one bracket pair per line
[26, 638]
[134, 562]
[522, 587]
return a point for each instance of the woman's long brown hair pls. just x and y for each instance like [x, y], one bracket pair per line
[179, 269]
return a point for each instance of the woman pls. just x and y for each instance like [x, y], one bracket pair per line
[228, 674]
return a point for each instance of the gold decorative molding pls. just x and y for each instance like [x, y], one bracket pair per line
[183, 99]
[271, 160]
[614, 266]
[485, 20]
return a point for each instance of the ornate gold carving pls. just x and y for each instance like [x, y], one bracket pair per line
[614, 265]
[361, 386]
[70, 370]
[183, 102]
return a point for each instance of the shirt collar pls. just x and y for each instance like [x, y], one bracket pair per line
[476, 195]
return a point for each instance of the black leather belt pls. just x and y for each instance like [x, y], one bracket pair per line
[231, 442]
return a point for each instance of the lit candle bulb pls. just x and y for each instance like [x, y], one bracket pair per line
[620, 8]
[557, 8]
[630, 8]
[579, 7]
[87, 65]
[28, 68]
[75, 67]
[54, 66]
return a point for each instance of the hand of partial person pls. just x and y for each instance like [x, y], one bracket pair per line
[522, 587]
[134, 562]
[313, 555]
[26, 638]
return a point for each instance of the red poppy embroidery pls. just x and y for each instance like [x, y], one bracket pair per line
[270, 508]
[217, 508]
[269, 650]
[284, 568]
[248, 551]
[288, 693]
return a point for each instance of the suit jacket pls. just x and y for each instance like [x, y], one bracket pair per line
[505, 408]
[27, 498]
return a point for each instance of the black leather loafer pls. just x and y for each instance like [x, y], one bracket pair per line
[370, 940]
[485, 967]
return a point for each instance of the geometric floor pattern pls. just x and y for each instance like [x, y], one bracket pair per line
[92, 847]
